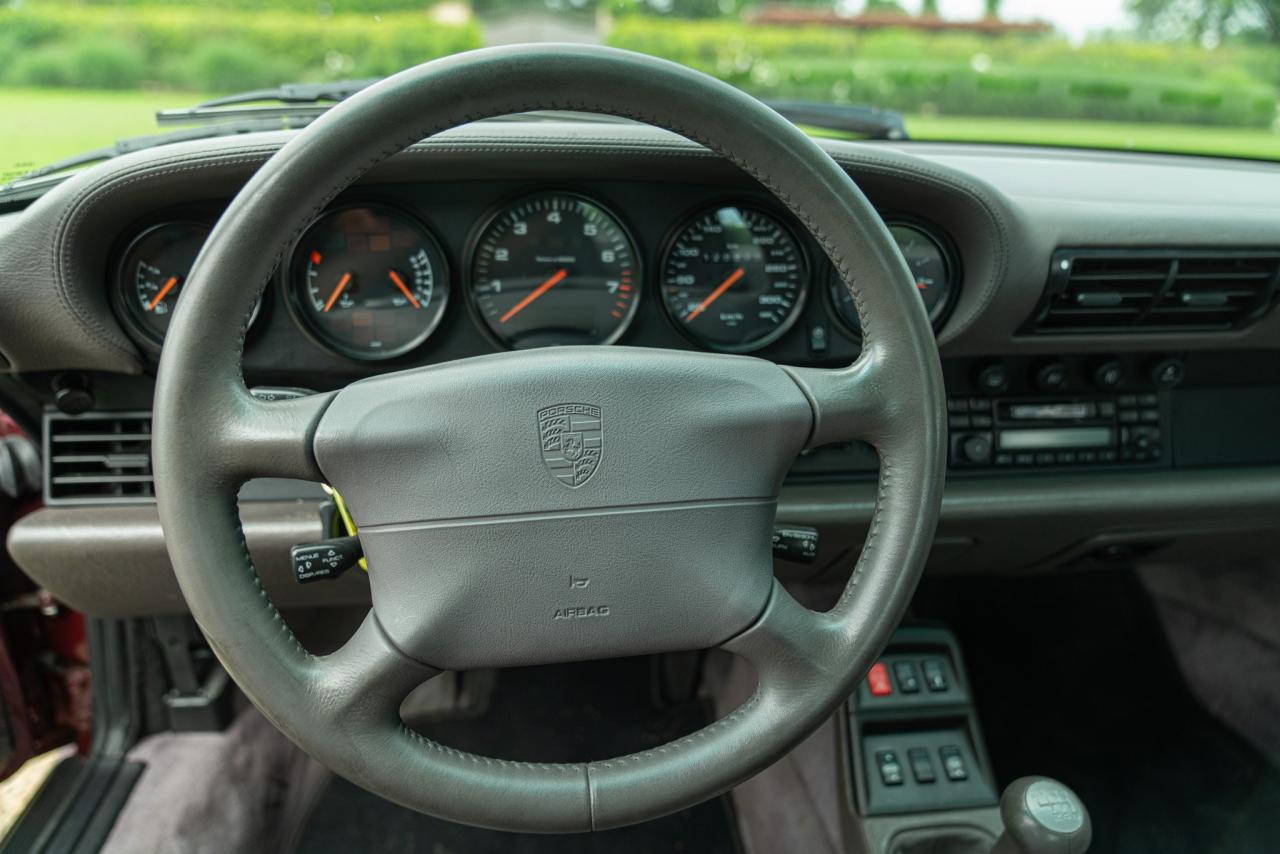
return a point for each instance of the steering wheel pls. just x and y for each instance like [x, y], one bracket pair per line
[477, 550]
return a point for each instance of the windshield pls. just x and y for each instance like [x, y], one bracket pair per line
[1189, 76]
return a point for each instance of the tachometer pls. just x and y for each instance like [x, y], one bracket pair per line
[929, 264]
[555, 269]
[734, 279]
[369, 281]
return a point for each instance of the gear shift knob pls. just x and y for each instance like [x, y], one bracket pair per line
[1042, 816]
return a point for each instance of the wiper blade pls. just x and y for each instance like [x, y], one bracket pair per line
[292, 101]
[864, 120]
[138, 143]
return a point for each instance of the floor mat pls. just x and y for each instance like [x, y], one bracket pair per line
[1074, 680]
[565, 713]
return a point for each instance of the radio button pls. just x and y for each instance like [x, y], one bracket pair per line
[1149, 416]
[1129, 416]
[980, 420]
[1128, 400]
[958, 422]
[1148, 400]
[1107, 408]
[980, 404]
[957, 404]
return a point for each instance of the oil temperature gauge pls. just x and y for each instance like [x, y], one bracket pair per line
[153, 270]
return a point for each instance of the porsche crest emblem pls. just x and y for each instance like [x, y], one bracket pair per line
[571, 436]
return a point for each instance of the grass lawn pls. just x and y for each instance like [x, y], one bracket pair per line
[1181, 139]
[38, 126]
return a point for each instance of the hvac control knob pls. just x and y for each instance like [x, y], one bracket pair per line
[1042, 816]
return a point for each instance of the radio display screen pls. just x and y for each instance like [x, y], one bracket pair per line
[1057, 411]
[1065, 437]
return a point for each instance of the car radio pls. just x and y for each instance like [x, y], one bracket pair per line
[1057, 431]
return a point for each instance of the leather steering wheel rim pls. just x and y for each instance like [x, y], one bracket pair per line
[343, 708]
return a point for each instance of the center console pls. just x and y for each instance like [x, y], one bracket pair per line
[917, 776]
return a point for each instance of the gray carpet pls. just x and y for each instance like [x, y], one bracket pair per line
[231, 792]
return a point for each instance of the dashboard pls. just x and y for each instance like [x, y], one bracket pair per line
[411, 273]
[1107, 326]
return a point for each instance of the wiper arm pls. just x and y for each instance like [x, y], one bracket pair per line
[293, 102]
[868, 121]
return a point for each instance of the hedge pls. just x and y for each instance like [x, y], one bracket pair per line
[186, 47]
[956, 74]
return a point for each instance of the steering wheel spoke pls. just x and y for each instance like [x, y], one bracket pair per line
[365, 680]
[856, 402]
[789, 645]
[268, 438]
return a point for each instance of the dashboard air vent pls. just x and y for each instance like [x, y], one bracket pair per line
[1107, 290]
[98, 457]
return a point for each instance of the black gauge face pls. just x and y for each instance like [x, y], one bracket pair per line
[153, 271]
[555, 269]
[928, 264]
[733, 279]
[369, 281]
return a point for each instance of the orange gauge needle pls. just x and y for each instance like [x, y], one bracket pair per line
[337, 292]
[715, 295]
[164, 292]
[537, 292]
[404, 289]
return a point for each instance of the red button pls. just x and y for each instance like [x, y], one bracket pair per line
[878, 680]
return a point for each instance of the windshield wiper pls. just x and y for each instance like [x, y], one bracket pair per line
[296, 105]
[862, 119]
[297, 101]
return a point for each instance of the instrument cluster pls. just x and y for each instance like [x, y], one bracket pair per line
[371, 281]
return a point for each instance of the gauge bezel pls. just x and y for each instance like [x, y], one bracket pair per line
[121, 293]
[784, 221]
[494, 211]
[294, 289]
[951, 262]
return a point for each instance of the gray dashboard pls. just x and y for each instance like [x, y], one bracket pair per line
[1003, 211]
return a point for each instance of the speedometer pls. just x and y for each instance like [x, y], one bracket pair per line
[555, 269]
[734, 279]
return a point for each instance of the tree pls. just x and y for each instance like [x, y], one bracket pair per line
[993, 8]
[929, 9]
[1208, 21]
